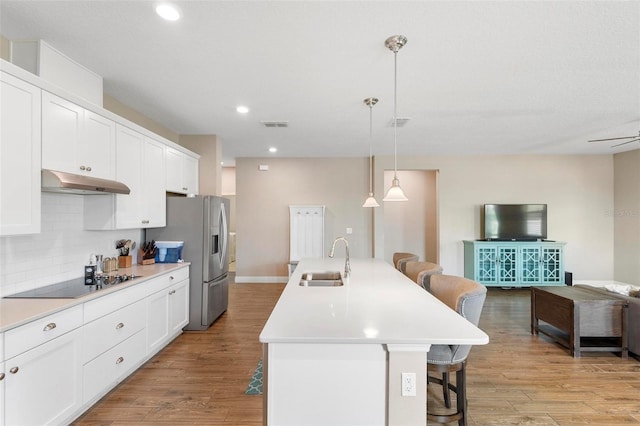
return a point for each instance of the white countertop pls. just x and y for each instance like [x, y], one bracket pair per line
[15, 312]
[376, 304]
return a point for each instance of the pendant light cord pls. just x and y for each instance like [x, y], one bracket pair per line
[370, 149]
[395, 114]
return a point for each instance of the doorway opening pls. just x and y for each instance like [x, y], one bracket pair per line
[412, 226]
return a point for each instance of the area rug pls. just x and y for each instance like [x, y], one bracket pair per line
[255, 385]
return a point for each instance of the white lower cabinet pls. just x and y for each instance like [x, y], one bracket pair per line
[167, 312]
[44, 385]
[54, 368]
[2, 377]
[178, 307]
[106, 332]
[110, 368]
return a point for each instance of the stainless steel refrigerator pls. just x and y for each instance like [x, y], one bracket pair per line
[202, 223]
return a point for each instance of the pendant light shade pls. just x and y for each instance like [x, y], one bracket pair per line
[395, 193]
[370, 201]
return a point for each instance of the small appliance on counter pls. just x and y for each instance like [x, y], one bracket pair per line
[74, 288]
[169, 251]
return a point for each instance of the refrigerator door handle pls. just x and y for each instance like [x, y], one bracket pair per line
[223, 233]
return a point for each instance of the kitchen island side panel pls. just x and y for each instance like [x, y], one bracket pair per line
[326, 384]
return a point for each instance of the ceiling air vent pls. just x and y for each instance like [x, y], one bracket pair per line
[401, 121]
[275, 123]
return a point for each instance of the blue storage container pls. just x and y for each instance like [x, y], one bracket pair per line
[169, 251]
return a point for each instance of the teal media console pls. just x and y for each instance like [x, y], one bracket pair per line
[514, 263]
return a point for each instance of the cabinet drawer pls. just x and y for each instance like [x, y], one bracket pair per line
[108, 331]
[176, 276]
[104, 372]
[42, 330]
[105, 305]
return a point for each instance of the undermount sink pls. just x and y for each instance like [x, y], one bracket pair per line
[321, 279]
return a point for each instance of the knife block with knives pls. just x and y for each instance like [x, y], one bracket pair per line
[147, 253]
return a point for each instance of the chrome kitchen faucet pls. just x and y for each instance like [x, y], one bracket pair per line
[347, 264]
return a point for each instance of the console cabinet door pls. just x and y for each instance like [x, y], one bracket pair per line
[530, 268]
[20, 153]
[44, 384]
[486, 258]
[551, 261]
[507, 265]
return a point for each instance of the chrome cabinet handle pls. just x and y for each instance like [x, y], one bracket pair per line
[119, 360]
[88, 168]
[145, 221]
[184, 188]
[1, 376]
[14, 370]
[119, 326]
[83, 168]
[171, 277]
[172, 292]
[49, 326]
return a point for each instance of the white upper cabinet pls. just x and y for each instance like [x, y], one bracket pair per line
[154, 208]
[19, 156]
[76, 140]
[130, 154]
[140, 166]
[182, 172]
[190, 174]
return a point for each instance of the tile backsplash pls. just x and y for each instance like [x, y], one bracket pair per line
[61, 249]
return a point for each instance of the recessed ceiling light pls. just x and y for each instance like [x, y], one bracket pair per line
[273, 149]
[242, 109]
[168, 11]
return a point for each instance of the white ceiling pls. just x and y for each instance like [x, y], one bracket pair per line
[476, 77]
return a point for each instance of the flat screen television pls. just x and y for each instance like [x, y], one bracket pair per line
[519, 222]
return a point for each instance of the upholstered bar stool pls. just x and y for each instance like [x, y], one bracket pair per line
[466, 297]
[400, 259]
[421, 272]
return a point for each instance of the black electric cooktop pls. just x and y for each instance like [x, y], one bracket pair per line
[71, 289]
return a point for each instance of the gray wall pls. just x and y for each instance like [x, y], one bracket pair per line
[626, 217]
[579, 191]
[263, 199]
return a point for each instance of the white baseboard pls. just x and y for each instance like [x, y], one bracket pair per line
[261, 280]
[598, 283]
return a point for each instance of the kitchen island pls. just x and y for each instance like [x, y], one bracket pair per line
[335, 355]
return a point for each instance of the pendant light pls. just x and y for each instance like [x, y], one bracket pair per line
[395, 193]
[370, 201]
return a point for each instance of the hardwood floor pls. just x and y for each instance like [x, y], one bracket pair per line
[521, 379]
[201, 377]
[518, 379]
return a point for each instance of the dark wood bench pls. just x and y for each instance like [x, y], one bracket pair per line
[582, 320]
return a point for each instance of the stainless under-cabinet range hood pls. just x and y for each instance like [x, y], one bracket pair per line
[69, 183]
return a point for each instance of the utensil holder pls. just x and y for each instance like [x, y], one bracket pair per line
[143, 261]
[124, 261]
